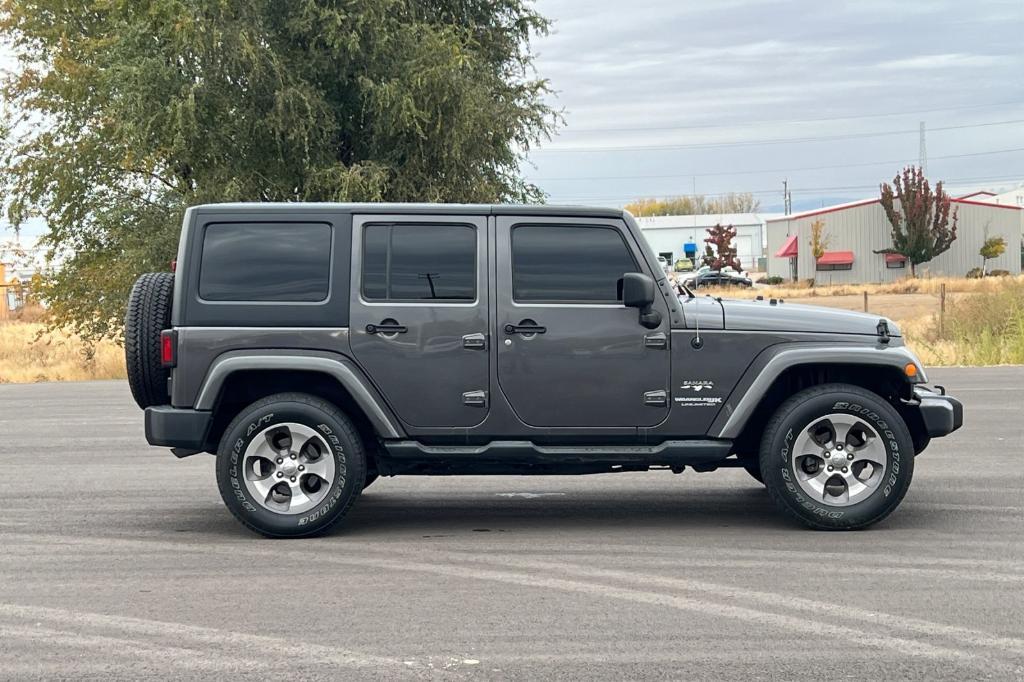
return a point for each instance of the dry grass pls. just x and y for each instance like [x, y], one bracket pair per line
[29, 353]
[920, 285]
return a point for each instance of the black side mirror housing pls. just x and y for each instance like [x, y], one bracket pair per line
[639, 291]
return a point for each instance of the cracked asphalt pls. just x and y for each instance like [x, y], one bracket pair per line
[118, 561]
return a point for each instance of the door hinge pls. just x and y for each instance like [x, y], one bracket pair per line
[474, 398]
[656, 340]
[656, 398]
[474, 341]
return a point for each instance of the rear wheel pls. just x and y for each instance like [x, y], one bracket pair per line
[837, 457]
[148, 314]
[290, 465]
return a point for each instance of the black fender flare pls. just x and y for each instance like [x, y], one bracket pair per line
[342, 369]
[775, 360]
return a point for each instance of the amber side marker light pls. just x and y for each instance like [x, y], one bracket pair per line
[910, 369]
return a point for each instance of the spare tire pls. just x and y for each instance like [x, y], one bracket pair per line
[149, 313]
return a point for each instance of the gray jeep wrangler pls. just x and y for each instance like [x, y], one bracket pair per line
[315, 347]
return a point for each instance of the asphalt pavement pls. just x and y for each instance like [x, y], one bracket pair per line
[119, 561]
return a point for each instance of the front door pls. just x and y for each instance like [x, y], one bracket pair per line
[569, 353]
[419, 315]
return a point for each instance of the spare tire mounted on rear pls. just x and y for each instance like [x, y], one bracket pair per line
[148, 314]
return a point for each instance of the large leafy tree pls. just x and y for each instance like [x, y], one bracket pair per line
[122, 114]
[923, 223]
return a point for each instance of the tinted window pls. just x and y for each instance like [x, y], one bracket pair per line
[265, 262]
[419, 262]
[551, 263]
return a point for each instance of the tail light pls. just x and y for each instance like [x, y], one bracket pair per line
[168, 348]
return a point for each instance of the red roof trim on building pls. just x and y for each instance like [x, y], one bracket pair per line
[985, 203]
[978, 194]
[789, 249]
[822, 211]
[867, 202]
[836, 258]
[895, 258]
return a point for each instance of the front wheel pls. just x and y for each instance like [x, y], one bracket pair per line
[837, 457]
[290, 465]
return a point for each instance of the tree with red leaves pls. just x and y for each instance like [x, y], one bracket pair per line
[724, 253]
[923, 224]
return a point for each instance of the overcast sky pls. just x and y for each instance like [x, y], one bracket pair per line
[697, 79]
[681, 74]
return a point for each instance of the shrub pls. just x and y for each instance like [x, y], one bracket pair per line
[772, 280]
[1000, 273]
[975, 273]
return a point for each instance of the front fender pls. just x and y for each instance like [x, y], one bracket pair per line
[773, 361]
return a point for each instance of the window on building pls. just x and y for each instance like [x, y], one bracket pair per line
[828, 267]
[265, 262]
[569, 263]
[417, 262]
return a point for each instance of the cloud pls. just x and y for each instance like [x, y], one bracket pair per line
[664, 72]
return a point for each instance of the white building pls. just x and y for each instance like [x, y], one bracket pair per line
[678, 236]
[1014, 197]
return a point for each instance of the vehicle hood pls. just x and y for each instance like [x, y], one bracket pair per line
[771, 315]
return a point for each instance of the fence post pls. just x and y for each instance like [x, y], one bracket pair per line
[942, 309]
[865, 301]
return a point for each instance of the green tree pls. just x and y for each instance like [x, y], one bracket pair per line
[923, 224]
[122, 114]
[994, 247]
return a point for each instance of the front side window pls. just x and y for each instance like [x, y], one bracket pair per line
[265, 262]
[420, 262]
[569, 264]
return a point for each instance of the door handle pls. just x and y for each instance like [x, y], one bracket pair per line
[386, 328]
[511, 329]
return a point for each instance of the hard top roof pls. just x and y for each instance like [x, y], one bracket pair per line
[410, 208]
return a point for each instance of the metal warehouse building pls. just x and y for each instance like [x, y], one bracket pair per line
[670, 235]
[856, 230]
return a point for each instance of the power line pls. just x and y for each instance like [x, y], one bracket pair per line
[746, 124]
[776, 170]
[784, 140]
[804, 190]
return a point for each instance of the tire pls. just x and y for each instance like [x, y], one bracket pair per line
[797, 451]
[277, 427]
[148, 314]
[755, 473]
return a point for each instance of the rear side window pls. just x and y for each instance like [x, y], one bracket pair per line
[421, 262]
[567, 264]
[265, 262]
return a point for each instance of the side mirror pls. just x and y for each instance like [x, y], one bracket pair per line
[638, 291]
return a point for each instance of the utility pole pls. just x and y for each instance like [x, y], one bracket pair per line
[787, 198]
[922, 153]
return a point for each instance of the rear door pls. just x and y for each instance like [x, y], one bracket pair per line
[419, 314]
[569, 353]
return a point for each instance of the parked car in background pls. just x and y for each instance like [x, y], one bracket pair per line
[715, 278]
[663, 262]
[684, 265]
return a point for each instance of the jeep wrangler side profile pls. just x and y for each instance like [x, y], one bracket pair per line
[315, 347]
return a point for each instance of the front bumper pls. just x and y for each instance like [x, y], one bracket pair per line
[181, 429]
[941, 414]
